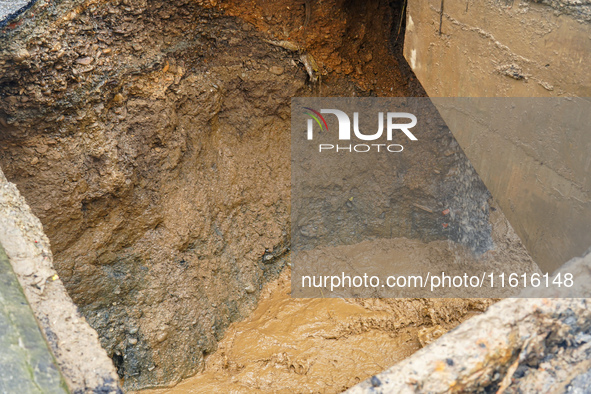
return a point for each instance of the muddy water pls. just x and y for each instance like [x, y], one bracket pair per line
[293, 345]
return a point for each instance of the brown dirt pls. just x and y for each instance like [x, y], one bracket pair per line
[152, 140]
[326, 345]
[321, 345]
[161, 192]
[359, 40]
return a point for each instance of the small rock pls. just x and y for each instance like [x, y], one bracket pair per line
[132, 341]
[267, 258]
[21, 55]
[375, 381]
[106, 51]
[118, 98]
[137, 47]
[162, 336]
[276, 70]
[34, 161]
[249, 289]
[133, 330]
[85, 61]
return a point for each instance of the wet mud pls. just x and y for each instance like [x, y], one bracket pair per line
[152, 141]
[327, 345]
[318, 345]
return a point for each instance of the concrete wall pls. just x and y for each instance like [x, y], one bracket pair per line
[26, 364]
[27, 263]
[515, 49]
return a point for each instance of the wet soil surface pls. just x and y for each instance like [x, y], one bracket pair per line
[152, 140]
[326, 345]
[321, 345]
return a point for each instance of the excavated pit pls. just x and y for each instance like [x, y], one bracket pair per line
[152, 140]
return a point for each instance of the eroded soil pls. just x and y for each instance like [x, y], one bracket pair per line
[321, 345]
[326, 345]
[152, 140]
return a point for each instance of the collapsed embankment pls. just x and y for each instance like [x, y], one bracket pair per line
[152, 140]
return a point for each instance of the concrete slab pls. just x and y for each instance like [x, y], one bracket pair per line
[527, 49]
[10, 9]
[26, 364]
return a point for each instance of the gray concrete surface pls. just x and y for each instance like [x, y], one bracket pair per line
[85, 366]
[26, 364]
[539, 176]
[10, 9]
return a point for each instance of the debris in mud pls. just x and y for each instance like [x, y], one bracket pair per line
[430, 334]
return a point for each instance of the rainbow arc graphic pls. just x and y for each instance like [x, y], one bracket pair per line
[317, 117]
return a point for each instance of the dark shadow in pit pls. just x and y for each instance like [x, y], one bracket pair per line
[396, 43]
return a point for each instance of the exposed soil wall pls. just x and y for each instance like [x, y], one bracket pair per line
[161, 179]
[152, 140]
